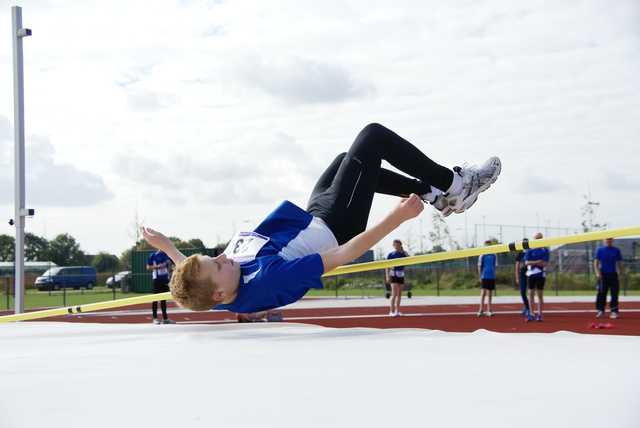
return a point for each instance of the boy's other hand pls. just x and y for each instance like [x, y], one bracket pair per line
[155, 238]
[407, 208]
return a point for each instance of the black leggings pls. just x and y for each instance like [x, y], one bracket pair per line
[343, 195]
[160, 286]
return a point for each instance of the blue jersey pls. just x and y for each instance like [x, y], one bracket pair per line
[534, 254]
[488, 263]
[272, 280]
[157, 258]
[394, 255]
[608, 256]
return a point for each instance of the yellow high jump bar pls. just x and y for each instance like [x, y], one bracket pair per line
[405, 261]
[499, 248]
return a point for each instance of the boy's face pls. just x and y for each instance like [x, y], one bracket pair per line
[224, 272]
[397, 247]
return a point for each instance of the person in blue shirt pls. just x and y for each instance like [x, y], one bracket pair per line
[288, 252]
[537, 260]
[159, 264]
[521, 279]
[487, 264]
[607, 264]
[395, 277]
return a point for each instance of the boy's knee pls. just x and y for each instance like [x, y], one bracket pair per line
[374, 127]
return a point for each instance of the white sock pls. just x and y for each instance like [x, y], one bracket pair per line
[456, 184]
[432, 195]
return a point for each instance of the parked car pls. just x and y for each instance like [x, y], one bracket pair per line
[116, 280]
[67, 277]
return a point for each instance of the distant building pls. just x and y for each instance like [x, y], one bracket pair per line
[365, 258]
[30, 268]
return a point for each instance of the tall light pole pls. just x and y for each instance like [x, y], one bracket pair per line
[18, 129]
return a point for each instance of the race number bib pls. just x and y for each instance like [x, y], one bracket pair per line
[397, 273]
[245, 246]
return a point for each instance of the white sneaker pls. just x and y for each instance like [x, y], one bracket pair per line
[442, 205]
[600, 314]
[156, 321]
[399, 314]
[168, 321]
[474, 181]
[392, 314]
[614, 315]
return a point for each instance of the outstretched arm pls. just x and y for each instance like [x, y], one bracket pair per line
[405, 209]
[161, 242]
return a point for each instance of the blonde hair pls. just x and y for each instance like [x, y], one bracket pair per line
[189, 289]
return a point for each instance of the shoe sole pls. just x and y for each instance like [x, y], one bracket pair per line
[473, 197]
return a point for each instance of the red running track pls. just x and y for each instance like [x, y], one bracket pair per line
[574, 317]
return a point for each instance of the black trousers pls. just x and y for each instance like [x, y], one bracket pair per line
[609, 282]
[344, 193]
[160, 286]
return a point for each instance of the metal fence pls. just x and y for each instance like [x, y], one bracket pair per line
[433, 276]
[566, 277]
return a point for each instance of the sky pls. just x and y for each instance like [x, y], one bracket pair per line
[293, 375]
[197, 118]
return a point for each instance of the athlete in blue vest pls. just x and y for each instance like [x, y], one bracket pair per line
[287, 254]
[487, 264]
[159, 264]
[537, 260]
[395, 277]
[607, 264]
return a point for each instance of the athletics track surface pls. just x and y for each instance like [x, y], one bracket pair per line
[457, 315]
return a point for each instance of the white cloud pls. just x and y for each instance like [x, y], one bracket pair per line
[302, 80]
[47, 181]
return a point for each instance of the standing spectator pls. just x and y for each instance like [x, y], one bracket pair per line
[159, 264]
[521, 279]
[607, 264]
[487, 264]
[395, 277]
[537, 260]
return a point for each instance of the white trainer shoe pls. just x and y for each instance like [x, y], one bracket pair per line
[475, 180]
[442, 205]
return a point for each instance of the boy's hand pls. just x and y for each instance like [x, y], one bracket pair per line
[155, 238]
[407, 208]
[163, 243]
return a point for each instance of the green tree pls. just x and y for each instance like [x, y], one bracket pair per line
[182, 245]
[196, 243]
[65, 251]
[105, 262]
[35, 248]
[588, 212]
[126, 257]
[441, 236]
[7, 248]
[589, 225]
